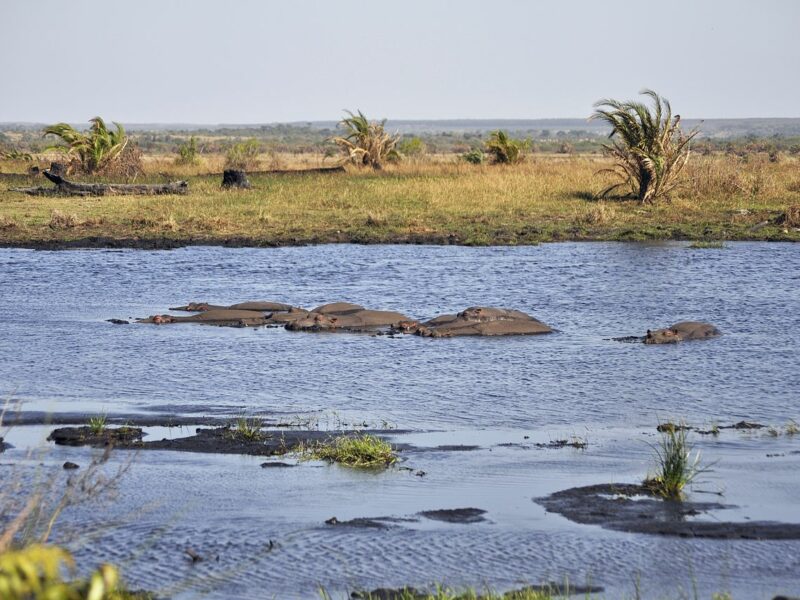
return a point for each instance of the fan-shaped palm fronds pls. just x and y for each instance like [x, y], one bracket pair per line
[650, 150]
[505, 150]
[367, 142]
[94, 149]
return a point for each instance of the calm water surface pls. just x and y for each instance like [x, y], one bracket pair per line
[58, 354]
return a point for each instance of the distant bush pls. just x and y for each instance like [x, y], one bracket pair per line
[187, 152]
[648, 148]
[367, 142]
[505, 150]
[566, 148]
[474, 157]
[413, 147]
[14, 154]
[243, 155]
[93, 151]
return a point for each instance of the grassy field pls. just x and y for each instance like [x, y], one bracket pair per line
[437, 200]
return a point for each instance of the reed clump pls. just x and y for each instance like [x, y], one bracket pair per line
[676, 464]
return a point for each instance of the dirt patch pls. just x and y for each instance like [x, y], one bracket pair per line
[633, 508]
[455, 515]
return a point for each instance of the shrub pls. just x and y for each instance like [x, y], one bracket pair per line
[566, 148]
[505, 150]
[243, 156]
[649, 150]
[14, 154]
[367, 142]
[413, 147]
[474, 157]
[187, 152]
[93, 151]
[60, 220]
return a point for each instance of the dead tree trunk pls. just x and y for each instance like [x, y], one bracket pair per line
[235, 178]
[69, 188]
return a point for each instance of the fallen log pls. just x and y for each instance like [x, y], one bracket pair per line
[64, 187]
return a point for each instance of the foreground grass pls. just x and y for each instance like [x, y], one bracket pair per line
[547, 198]
[360, 451]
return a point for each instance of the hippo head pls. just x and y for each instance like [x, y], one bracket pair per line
[662, 336]
[406, 326]
[474, 313]
[197, 306]
[162, 319]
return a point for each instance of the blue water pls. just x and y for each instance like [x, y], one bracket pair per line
[58, 351]
[58, 354]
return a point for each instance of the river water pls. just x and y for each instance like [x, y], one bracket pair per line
[59, 355]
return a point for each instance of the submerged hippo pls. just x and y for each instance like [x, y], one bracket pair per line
[221, 316]
[343, 316]
[479, 320]
[680, 332]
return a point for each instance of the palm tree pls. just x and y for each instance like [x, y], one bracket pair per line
[505, 150]
[91, 151]
[366, 142]
[650, 150]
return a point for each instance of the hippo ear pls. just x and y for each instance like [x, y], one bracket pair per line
[649, 333]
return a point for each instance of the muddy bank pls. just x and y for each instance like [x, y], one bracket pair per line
[166, 243]
[221, 440]
[409, 593]
[635, 509]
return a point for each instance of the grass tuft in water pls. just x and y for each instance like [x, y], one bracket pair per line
[248, 428]
[98, 423]
[360, 450]
[707, 245]
[675, 465]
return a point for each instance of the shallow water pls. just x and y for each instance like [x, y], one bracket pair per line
[59, 355]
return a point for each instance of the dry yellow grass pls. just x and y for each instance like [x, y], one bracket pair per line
[439, 200]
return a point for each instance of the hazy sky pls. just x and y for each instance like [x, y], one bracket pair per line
[248, 61]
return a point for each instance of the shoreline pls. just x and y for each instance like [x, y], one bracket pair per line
[168, 243]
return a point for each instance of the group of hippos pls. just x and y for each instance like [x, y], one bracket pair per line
[344, 316]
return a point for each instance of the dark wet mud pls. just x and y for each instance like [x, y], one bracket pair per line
[220, 440]
[634, 508]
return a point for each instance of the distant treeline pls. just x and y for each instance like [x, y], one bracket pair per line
[564, 136]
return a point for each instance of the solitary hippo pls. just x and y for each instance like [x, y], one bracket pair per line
[680, 332]
[222, 317]
[481, 320]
